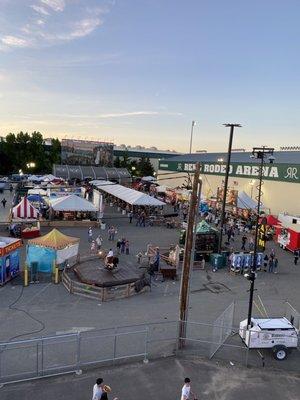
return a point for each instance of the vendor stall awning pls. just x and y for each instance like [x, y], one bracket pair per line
[128, 195]
[25, 210]
[245, 202]
[72, 203]
[54, 240]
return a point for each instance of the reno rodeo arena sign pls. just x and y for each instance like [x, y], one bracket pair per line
[274, 172]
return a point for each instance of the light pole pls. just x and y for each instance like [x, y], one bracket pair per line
[192, 132]
[259, 153]
[231, 126]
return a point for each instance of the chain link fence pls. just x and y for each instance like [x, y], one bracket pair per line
[53, 355]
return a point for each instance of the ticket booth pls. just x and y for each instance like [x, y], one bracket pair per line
[9, 258]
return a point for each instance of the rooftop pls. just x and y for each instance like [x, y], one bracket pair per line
[281, 157]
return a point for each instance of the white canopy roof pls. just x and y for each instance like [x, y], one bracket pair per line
[49, 178]
[72, 203]
[148, 179]
[128, 195]
[37, 190]
[35, 178]
[245, 202]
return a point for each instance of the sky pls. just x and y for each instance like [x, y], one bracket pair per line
[139, 71]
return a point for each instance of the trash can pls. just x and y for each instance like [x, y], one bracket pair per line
[218, 260]
[103, 226]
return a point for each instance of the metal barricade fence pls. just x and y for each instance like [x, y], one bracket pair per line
[54, 355]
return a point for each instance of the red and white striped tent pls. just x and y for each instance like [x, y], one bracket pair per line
[25, 210]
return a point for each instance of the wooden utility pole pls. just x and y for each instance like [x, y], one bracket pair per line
[231, 126]
[187, 260]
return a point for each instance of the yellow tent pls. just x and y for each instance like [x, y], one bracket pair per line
[54, 240]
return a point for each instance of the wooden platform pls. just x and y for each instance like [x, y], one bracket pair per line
[93, 272]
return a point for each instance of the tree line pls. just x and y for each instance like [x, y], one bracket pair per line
[28, 153]
[17, 151]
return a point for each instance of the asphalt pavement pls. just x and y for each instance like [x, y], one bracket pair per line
[210, 293]
[163, 379]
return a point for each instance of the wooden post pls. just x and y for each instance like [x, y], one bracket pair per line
[56, 274]
[25, 275]
[187, 260]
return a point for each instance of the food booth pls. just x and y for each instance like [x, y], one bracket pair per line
[206, 242]
[288, 236]
[72, 207]
[26, 216]
[54, 248]
[9, 258]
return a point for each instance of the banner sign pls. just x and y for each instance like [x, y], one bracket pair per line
[231, 197]
[273, 172]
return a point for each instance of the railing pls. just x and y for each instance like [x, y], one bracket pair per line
[96, 292]
[54, 355]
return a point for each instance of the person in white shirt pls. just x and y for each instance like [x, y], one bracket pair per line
[110, 253]
[98, 389]
[186, 391]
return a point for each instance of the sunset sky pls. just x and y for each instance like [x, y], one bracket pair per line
[139, 71]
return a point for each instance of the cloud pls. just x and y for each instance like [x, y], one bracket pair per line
[40, 9]
[50, 24]
[84, 27]
[128, 114]
[101, 116]
[14, 41]
[80, 29]
[55, 5]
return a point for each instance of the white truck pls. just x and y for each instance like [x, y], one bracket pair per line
[278, 334]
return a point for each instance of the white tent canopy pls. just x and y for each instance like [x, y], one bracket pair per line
[148, 179]
[245, 202]
[72, 203]
[128, 195]
[35, 178]
[49, 178]
[37, 190]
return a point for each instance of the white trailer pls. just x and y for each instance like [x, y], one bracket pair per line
[278, 334]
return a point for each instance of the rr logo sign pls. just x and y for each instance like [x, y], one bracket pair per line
[291, 173]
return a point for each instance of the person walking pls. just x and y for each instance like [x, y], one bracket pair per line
[296, 257]
[272, 254]
[186, 391]
[106, 390]
[122, 246]
[143, 219]
[251, 244]
[98, 389]
[113, 233]
[244, 240]
[3, 201]
[266, 259]
[99, 241]
[130, 215]
[90, 234]
[271, 264]
[275, 265]
[127, 247]
[93, 247]
[118, 246]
